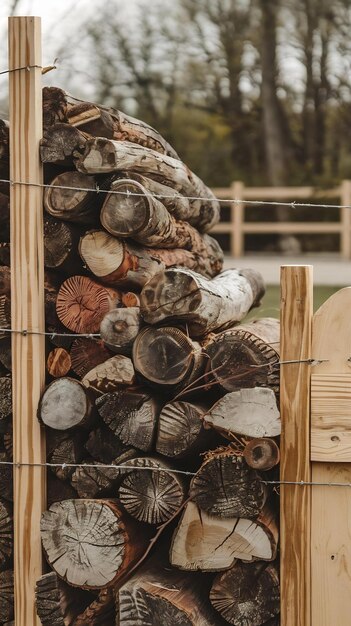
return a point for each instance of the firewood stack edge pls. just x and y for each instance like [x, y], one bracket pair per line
[162, 420]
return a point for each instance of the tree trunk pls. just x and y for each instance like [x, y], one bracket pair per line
[59, 143]
[132, 415]
[65, 404]
[58, 363]
[167, 356]
[151, 495]
[246, 356]
[207, 543]
[71, 196]
[251, 412]
[225, 486]
[90, 543]
[205, 305]
[110, 375]
[86, 354]
[262, 454]
[180, 431]
[119, 329]
[247, 594]
[6, 595]
[103, 156]
[6, 533]
[82, 303]
[56, 603]
[60, 245]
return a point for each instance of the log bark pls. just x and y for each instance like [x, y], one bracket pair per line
[132, 415]
[225, 486]
[205, 305]
[59, 144]
[6, 595]
[180, 430]
[5, 352]
[91, 543]
[82, 303]
[86, 354]
[6, 478]
[58, 363]
[5, 220]
[60, 246]
[4, 253]
[262, 454]
[110, 375]
[70, 197]
[105, 155]
[5, 281]
[6, 533]
[5, 316]
[251, 412]
[247, 594]
[64, 448]
[119, 329]
[65, 404]
[246, 356]
[208, 543]
[56, 603]
[151, 495]
[5, 397]
[101, 612]
[54, 106]
[103, 445]
[167, 356]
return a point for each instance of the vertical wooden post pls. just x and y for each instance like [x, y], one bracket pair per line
[27, 307]
[295, 500]
[237, 216]
[345, 218]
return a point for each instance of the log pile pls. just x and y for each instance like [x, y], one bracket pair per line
[161, 421]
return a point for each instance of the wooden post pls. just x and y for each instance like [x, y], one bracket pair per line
[295, 500]
[345, 217]
[27, 307]
[237, 216]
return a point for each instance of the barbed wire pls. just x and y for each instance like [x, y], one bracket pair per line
[44, 70]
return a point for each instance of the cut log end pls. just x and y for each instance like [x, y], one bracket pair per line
[64, 404]
[262, 454]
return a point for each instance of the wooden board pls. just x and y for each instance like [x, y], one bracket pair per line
[295, 501]
[331, 506]
[27, 300]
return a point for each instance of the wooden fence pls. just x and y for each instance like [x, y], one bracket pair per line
[237, 227]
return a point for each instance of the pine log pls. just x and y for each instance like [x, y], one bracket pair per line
[56, 603]
[208, 543]
[110, 375]
[86, 354]
[54, 106]
[79, 203]
[167, 356]
[65, 404]
[101, 612]
[105, 155]
[251, 412]
[60, 245]
[5, 397]
[151, 495]
[58, 490]
[262, 454]
[119, 329]
[247, 594]
[132, 415]
[60, 143]
[6, 477]
[6, 595]
[205, 305]
[90, 543]
[180, 429]
[58, 362]
[6, 532]
[82, 303]
[226, 487]
[159, 596]
[246, 356]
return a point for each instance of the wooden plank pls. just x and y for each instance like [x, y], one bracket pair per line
[237, 220]
[296, 326]
[330, 417]
[27, 308]
[345, 200]
[292, 227]
[331, 506]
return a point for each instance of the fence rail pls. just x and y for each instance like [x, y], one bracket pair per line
[237, 227]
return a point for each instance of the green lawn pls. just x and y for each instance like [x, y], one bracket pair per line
[270, 303]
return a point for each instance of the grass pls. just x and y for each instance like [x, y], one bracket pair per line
[271, 301]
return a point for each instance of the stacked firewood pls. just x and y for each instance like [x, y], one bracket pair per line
[160, 408]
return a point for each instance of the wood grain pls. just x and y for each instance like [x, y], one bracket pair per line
[330, 417]
[296, 326]
[27, 300]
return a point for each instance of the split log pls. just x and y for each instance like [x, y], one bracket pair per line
[151, 495]
[5, 397]
[54, 106]
[226, 487]
[60, 143]
[110, 375]
[119, 329]
[132, 415]
[65, 404]
[205, 305]
[56, 603]
[167, 356]
[159, 596]
[94, 479]
[101, 612]
[71, 196]
[6, 477]
[58, 490]
[6, 595]
[251, 412]
[180, 430]
[91, 543]
[105, 155]
[246, 356]
[6, 532]
[247, 594]
[208, 543]
[64, 449]
[262, 454]
[82, 303]
[86, 354]
[60, 245]
[58, 362]
[103, 445]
